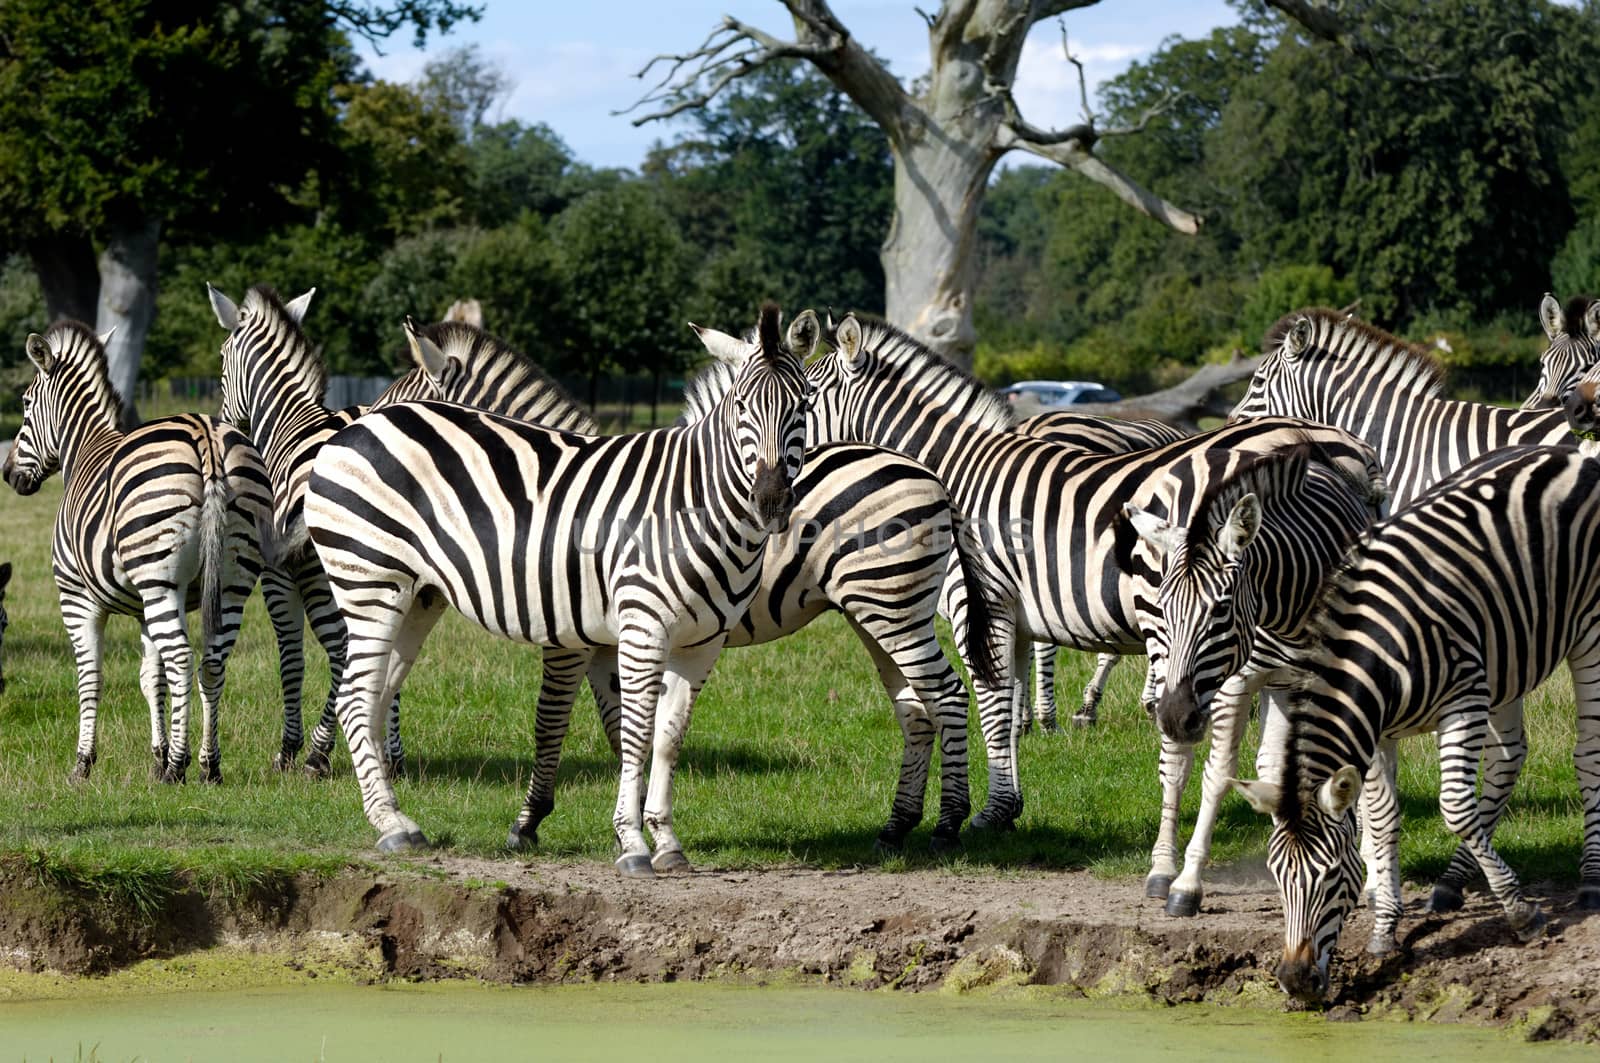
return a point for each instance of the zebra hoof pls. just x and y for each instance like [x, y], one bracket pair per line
[1444, 899]
[402, 841]
[1082, 720]
[671, 862]
[984, 823]
[1381, 944]
[1533, 928]
[1183, 904]
[317, 766]
[283, 760]
[175, 774]
[1050, 727]
[80, 770]
[635, 865]
[518, 842]
[945, 842]
[888, 843]
[211, 774]
[1589, 897]
[1157, 886]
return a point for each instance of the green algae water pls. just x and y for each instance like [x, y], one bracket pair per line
[466, 1021]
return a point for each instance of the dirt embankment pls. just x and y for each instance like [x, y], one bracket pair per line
[549, 922]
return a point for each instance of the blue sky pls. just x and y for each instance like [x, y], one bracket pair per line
[572, 63]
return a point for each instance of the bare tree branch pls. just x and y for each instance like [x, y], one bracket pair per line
[1051, 8]
[1072, 154]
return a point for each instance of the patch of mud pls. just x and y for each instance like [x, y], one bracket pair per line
[922, 930]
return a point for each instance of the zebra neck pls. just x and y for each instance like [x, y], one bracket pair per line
[281, 419]
[86, 445]
[719, 485]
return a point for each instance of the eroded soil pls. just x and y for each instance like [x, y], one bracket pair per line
[917, 930]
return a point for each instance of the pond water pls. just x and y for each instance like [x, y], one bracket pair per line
[462, 1021]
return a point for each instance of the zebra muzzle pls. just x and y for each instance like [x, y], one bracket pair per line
[1178, 713]
[773, 494]
[1579, 409]
[1300, 975]
[23, 483]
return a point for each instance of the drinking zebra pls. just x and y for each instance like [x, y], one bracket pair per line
[869, 536]
[1443, 618]
[272, 386]
[651, 543]
[1237, 584]
[1325, 366]
[1573, 332]
[1065, 565]
[153, 523]
[1093, 434]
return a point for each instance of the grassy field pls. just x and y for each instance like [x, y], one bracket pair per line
[791, 758]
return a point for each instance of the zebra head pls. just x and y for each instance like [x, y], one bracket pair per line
[1208, 612]
[1273, 387]
[1315, 859]
[1574, 335]
[70, 391]
[264, 338]
[765, 408]
[5, 581]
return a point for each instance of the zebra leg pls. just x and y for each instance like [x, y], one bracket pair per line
[394, 750]
[996, 718]
[166, 626]
[1230, 710]
[641, 661]
[1461, 736]
[1502, 764]
[1044, 690]
[86, 627]
[1094, 690]
[288, 625]
[328, 625]
[558, 687]
[1586, 758]
[686, 671]
[213, 674]
[606, 685]
[1173, 769]
[153, 684]
[1379, 813]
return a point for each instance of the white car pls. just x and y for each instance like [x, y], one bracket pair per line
[1059, 392]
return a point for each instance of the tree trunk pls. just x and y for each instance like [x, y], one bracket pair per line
[67, 275]
[1182, 406]
[128, 303]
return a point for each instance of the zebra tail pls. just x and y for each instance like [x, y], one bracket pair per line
[216, 498]
[982, 654]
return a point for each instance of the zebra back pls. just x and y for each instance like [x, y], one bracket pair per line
[1573, 332]
[1325, 366]
[1098, 434]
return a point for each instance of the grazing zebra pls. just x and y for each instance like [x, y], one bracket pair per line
[1325, 366]
[1442, 618]
[651, 543]
[272, 385]
[1051, 515]
[1097, 435]
[1237, 585]
[5, 581]
[153, 523]
[1573, 332]
[869, 536]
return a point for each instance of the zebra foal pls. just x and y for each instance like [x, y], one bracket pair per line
[153, 523]
[651, 543]
[1441, 619]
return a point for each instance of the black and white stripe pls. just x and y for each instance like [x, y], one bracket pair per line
[651, 543]
[153, 523]
[1442, 619]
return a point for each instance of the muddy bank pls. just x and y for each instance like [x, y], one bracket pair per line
[923, 930]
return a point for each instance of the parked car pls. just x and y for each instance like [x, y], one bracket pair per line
[1059, 392]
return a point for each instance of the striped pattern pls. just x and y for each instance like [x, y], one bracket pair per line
[1573, 332]
[870, 536]
[651, 543]
[272, 385]
[1050, 516]
[153, 523]
[1441, 619]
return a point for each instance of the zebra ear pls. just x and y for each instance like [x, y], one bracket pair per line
[729, 350]
[804, 331]
[227, 313]
[1241, 526]
[39, 352]
[848, 338]
[1591, 321]
[429, 358]
[1340, 792]
[298, 306]
[105, 337]
[1152, 529]
[1298, 337]
[1263, 796]
[1550, 316]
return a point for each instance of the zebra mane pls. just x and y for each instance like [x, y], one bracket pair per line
[935, 377]
[81, 347]
[705, 389]
[1572, 316]
[1259, 475]
[482, 352]
[1337, 335]
[308, 364]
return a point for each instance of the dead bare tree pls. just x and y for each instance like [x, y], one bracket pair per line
[947, 133]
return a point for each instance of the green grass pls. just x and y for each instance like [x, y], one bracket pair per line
[791, 758]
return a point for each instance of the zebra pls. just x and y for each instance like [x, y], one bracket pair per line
[650, 542]
[1051, 516]
[272, 385]
[5, 621]
[1236, 586]
[1095, 434]
[1440, 619]
[153, 523]
[1573, 332]
[1326, 366]
[884, 575]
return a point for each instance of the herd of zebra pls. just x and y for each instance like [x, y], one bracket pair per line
[1374, 559]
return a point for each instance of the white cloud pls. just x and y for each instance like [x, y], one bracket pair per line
[1046, 87]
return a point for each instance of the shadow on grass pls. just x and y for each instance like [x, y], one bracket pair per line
[580, 768]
